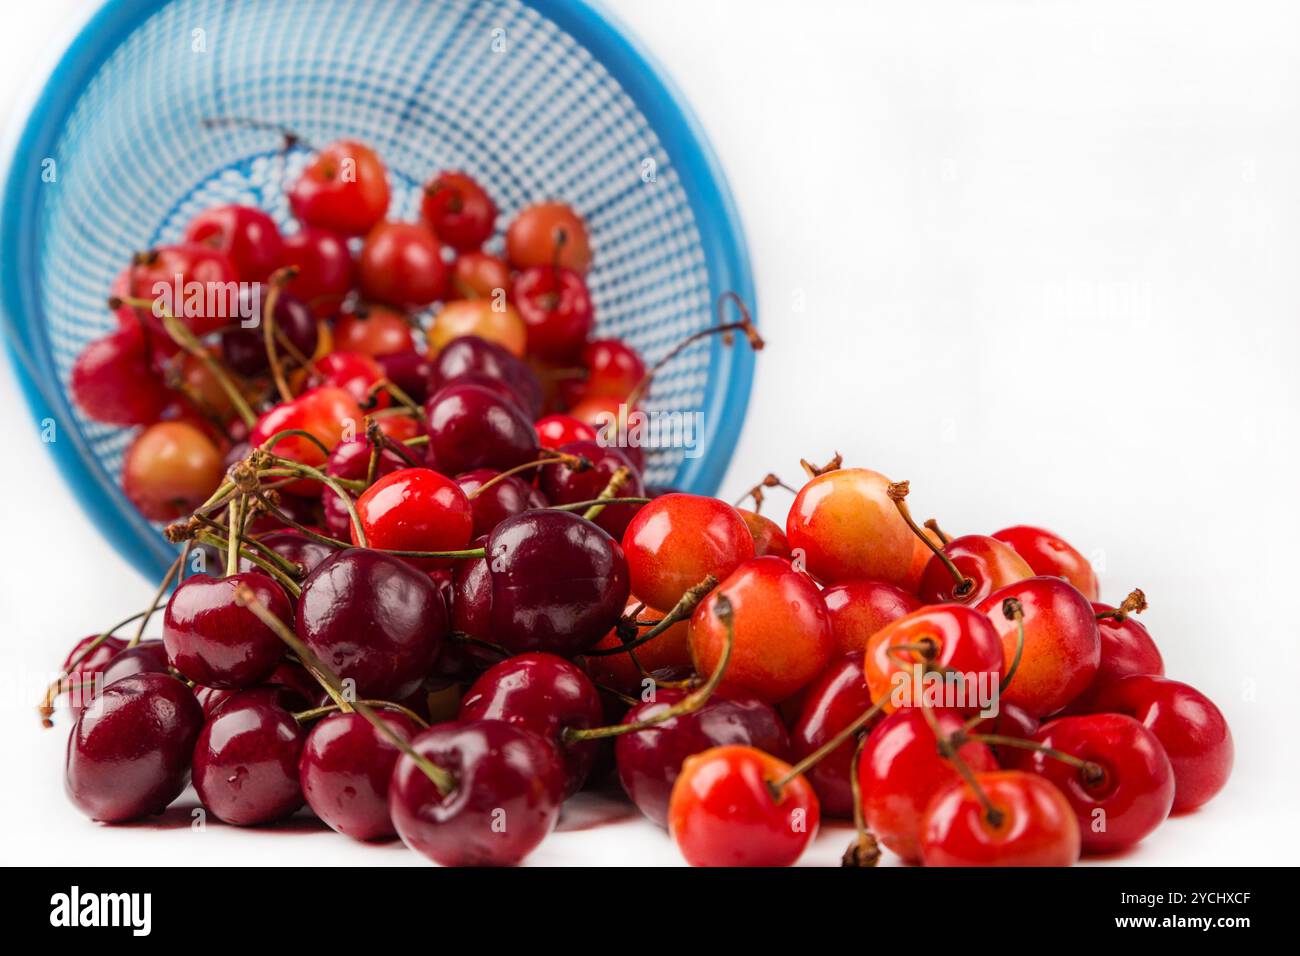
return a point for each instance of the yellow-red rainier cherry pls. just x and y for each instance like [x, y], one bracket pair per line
[846, 527]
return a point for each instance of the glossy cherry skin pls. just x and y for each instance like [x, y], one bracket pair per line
[374, 619]
[1038, 826]
[965, 642]
[1188, 725]
[547, 695]
[1136, 788]
[613, 367]
[373, 330]
[833, 701]
[84, 679]
[401, 265]
[488, 319]
[129, 755]
[471, 427]
[667, 656]
[351, 460]
[478, 275]
[326, 271]
[549, 233]
[113, 380]
[650, 760]
[723, 812]
[344, 189]
[1051, 555]
[246, 759]
[1062, 646]
[503, 499]
[147, 657]
[557, 583]
[409, 370]
[858, 609]
[900, 770]
[213, 640]
[677, 540]
[299, 689]
[1126, 649]
[566, 484]
[987, 562]
[415, 509]
[344, 772]
[163, 268]
[556, 309]
[554, 431]
[473, 356]
[769, 537]
[293, 546]
[328, 413]
[782, 630]
[458, 210]
[506, 800]
[848, 528]
[244, 349]
[170, 469]
[248, 237]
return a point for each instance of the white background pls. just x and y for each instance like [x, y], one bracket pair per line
[1038, 258]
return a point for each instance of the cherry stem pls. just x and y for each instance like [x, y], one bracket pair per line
[687, 705]
[616, 482]
[683, 609]
[938, 532]
[864, 850]
[163, 585]
[441, 779]
[952, 754]
[46, 706]
[1135, 603]
[769, 481]
[576, 462]
[745, 325]
[333, 484]
[828, 748]
[291, 138]
[379, 441]
[398, 393]
[235, 519]
[305, 715]
[581, 505]
[283, 579]
[1012, 610]
[276, 283]
[898, 495]
[270, 443]
[816, 471]
[1092, 773]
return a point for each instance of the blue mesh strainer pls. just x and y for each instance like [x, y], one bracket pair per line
[537, 99]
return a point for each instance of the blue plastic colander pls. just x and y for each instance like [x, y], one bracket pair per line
[536, 99]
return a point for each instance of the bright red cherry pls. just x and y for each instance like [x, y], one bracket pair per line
[960, 640]
[553, 431]
[1061, 649]
[901, 769]
[351, 460]
[548, 234]
[344, 772]
[847, 527]
[328, 413]
[374, 330]
[248, 237]
[170, 469]
[833, 701]
[782, 631]
[113, 380]
[1126, 649]
[478, 275]
[415, 509]
[214, 640]
[556, 309]
[401, 265]
[723, 811]
[355, 373]
[326, 271]
[1034, 824]
[1050, 554]
[459, 210]
[1188, 725]
[1127, 789]
[204, 278]
[343, 189]
[859, 609]
[769, 537]
[677, 540]
[985, 564]
[613, 367]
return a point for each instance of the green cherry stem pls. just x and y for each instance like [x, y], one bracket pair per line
[828, 748]
[615, 485]
[305, 715]
[682, 610]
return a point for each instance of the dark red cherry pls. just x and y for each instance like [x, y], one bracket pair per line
[547, 695]
[83, 681]
[248, 237]
[293, 546]
[503, 499]
[556, 309]
[373, 619]
[459, 210]
[113, 380]
[471, 355]
[246, 759]
[147, 657]
[409, 370]
[558, 583]
[565, 484]
[214, 640]
[351, 460]
[470, 427]
[300, 690]
[506, 799]
[343, 188]
[244, 349]
[129, 756]
[344, 772]
[471, 601]
[650, 760]
[326, 270]
[833, 701]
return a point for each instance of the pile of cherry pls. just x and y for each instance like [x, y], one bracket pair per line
[421, 594]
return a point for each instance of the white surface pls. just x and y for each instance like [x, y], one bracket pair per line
[1037, 258]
